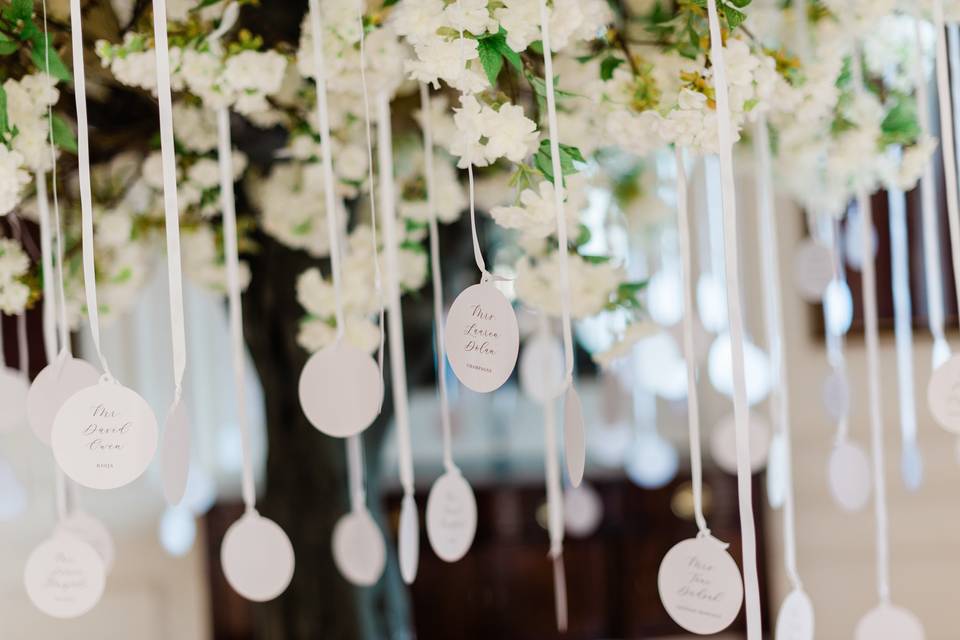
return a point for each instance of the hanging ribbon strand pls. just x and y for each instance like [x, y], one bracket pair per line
[740, 406]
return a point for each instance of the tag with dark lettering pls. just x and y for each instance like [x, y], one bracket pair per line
[700, 585]
[64, 577]
[482, 337]
[104, 436]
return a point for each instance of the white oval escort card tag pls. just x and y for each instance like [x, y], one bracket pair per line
[408, 540]
[257, 558]
[451, 516]
[943, 394]
[50, 389]
[89, 529]
[723, 443]
[482, 338]
[541, 368]
[175, 455]
[889, 622]
[812, 269]
[849, 476]
[13, 399]
[104, 436]
[700, 585]
[359, 550]
[836, 395]
[795, 620]
[777, 464]
[582, 510]
[64, 577]
[340, 390]
[574, 436]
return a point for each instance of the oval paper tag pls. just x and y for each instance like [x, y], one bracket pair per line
[89, 529]
[408, 539]
[451, 516]
[340, 390]
[175, 455]
[582, 510]
[777, 465]
[700, 585]
[541, 368]
[812, 269]
[652, 461]
[911, 466]
[836, 395]
[889, 622]
[795, 620]
[574, 438]
[104, 436]
[257, 558]
[482, 337]
[723, 443]
[358, 549]
[64, 577]
[849, 475]
[943, 394]
[50, 389]
[13, 398]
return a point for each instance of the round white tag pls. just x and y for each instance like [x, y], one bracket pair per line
[408, 540]
[582, 510]
[889, 622]
[13, 399]
[943, 394]
[700, 585]
[50, 389]
[836, 395]
[652, 461]
[574, 437]
[849, 475]
[257, 558]
[104, 436]
[541, 368]
[812, 269]
[175, 454]
[64, 577]
[723, 443]
[795, 620]
[911, 466]
[482, 337]
[358, 548]
[451, 516]
[777, 474]
[340, 390]
[89, 529]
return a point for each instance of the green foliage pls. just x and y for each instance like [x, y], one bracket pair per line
[493, 50]
[5, 132]
[901, 125]
[63, 136]
[569, 155]
[607, 67]
[18, 29]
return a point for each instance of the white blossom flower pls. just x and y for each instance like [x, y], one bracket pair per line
[509, 133]
[13, 178]
[591, 285]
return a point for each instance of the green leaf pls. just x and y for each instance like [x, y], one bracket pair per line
[4, 120]
[499, 42]
[536, 46]
[543, 160]
[42, 55]
[19, 10]
[7, 46]
[734, 16]
[63, 136]
[490, 58]
[608, 65]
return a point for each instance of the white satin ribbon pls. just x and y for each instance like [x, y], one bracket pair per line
[86, 196]
[558, 191]
[438, 323]
[398, 369]
[780, 396]
[231, 255]
[947, 140]
[871, 337]
[741, 408]
[928, 206]
[689, 313]
[171, 207]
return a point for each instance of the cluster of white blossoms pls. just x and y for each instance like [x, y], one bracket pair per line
[27, 150]
[361, 300]
[592, 285]
[242, 80]
[485, 134]
[14, 264]
[535, 213]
